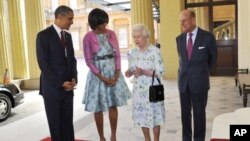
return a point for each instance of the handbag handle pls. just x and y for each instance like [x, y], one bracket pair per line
[156, 78]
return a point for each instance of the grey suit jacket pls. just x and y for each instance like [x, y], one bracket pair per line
[55, 67]
[194, 73]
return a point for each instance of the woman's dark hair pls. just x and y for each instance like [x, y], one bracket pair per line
[97, 17]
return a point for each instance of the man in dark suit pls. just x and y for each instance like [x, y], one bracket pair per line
[197, 52]
[57, 62]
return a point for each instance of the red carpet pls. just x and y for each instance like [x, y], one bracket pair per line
[48, 139]
[219, 140]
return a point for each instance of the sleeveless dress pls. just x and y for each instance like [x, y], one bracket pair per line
[98, 96]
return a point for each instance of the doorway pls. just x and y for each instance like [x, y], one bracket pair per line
[220, 18]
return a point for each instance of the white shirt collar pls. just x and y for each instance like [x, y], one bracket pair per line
[194, 32]
[58, 29]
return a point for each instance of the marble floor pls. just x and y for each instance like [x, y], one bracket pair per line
[223, 97]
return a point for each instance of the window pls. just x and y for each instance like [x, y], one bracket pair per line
[122, 32]
[123, 37]
[73, 4]
[75, 39]
[54, 4]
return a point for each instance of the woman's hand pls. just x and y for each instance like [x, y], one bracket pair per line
[128, 73]
[115, 78]
[138, 72]
[108, 81]
[148, 73]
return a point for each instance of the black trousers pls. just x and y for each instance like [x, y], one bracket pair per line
[197, 102]
[60, 118]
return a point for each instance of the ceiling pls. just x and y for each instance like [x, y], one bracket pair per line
[124, 5]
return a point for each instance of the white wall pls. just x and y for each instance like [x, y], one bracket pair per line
[243, 34]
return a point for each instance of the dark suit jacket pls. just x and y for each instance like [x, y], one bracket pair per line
[194, 73]
[55, 67]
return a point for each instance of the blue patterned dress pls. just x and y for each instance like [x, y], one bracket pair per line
[145, 113]
[98, 96]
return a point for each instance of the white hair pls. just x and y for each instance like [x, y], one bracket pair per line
[143, 29]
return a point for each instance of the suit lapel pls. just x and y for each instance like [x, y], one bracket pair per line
[55, 35]
[184, 47]
[197, 42]
[57, 40]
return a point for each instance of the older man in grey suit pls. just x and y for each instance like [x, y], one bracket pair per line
[197, 52]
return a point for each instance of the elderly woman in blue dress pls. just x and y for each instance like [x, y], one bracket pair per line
[143, 60]
[105, 85]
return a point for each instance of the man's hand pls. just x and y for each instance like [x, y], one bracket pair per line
[69, 85]
[73, 82]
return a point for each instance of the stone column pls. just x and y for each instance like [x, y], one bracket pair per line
[35, 22]
[243, 34]
[170, 28]
[19, 59]
[3, 43]
[142, 13]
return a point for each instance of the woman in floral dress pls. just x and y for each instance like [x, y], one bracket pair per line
[105, 85]
[143, 60]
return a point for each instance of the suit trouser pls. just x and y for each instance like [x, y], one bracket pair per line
[196, 102]
[60, 118]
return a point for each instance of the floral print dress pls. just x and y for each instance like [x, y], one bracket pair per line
[145, 113]
[98, 96]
